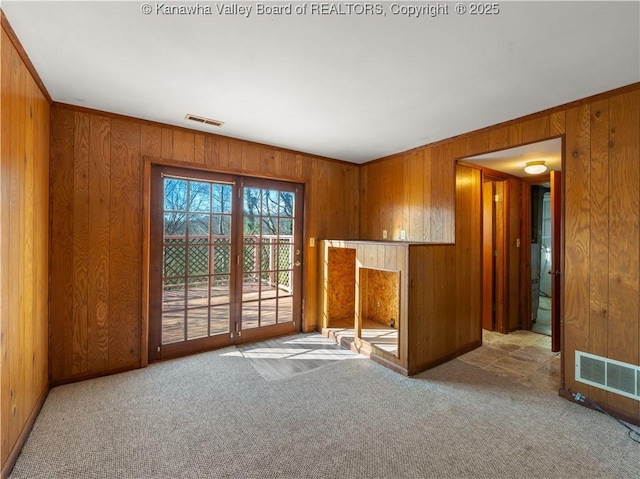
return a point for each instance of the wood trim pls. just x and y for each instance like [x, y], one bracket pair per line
[23, 55]
[22, 439]
[525, 258]
[538, 179]
[501, 265]
[118, 116]
[516, 121]
[487, 173]
[556, 261]
[159, 161]
[145, 262]
[447, 357]
[83, 377]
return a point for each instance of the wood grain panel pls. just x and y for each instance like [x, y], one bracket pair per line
[211, 151]
[624, 239]
[80, 242]
[442, 191]
[557, 123]
[98, 248]
[577, 238]
[183, 146]
[442, 338]
[125, 244]
[371, 208]
[234, 159]
[515, 134]
[288, 166]
[391, 198]
[62, 157]
[536, 129]
[251, 155]
[150, 140]
[167, 144]
[415, 203]
[15, 260]
[599, 235]
[267, 160]
[6, 50]
[320, 185]
[24, 234]
[477, 144]
[499, 138]
[468, 257]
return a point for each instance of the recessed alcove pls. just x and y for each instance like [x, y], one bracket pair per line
[340, 287]
[380, 308]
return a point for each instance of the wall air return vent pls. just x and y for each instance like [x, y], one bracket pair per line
[201, 119]
[615, 376]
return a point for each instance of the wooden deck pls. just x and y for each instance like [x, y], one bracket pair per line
[262, 305]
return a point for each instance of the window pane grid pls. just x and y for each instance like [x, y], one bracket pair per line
[197, 246]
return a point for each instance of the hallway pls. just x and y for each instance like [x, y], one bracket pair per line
[523, 355]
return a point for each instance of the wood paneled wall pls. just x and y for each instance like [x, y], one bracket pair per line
[601, 292]
[602, 237]
[96, 203]
[24, 248]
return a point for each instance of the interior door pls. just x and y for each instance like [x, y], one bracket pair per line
[225, 260]
[488, 255]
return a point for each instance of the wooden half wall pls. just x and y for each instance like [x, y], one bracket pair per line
[24, 246]
[414, 191]
[97, 190]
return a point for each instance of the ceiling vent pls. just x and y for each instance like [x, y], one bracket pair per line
[206, 121]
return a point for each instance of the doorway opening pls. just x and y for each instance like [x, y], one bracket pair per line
[521, 239]
[541, 254]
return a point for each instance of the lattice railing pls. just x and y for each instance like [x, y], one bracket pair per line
[201, 256]
[273, 257]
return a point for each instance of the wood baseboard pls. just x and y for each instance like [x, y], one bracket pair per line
[83, 377]
[418, 368]
[626, 417]
[17, 447]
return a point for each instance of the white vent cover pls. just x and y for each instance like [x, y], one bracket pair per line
[609, 374]
[201, 119]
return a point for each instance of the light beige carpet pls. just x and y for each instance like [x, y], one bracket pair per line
[217, 415]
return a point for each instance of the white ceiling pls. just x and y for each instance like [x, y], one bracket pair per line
[352, 87]
[513, 160]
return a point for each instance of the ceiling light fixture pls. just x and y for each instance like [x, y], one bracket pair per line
[535, 167]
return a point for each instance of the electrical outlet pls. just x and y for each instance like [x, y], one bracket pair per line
[384, 234]
[403, 235]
